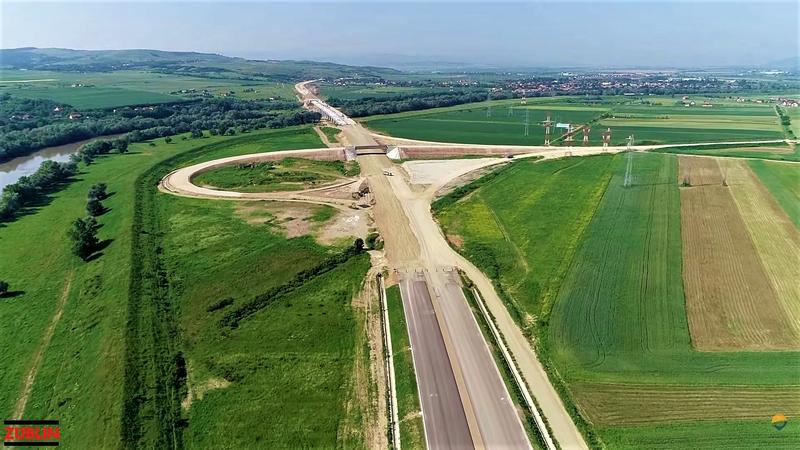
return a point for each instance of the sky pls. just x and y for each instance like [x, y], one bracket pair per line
[518, 34]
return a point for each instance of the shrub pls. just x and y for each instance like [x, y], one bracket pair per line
[84, 237]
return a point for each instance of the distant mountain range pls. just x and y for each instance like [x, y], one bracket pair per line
[32, 58]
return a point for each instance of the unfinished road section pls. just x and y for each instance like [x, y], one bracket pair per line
[443, 416]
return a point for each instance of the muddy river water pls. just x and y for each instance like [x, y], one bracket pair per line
[13, 170]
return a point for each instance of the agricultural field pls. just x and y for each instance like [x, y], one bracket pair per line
[508, 239]
[88, 341]
[289, 174]
[623, 334]
[356, 92]
[656, 120]
[731, 302]
[108, 90]
[783, 182]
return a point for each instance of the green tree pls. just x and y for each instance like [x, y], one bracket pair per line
[3, 288]
[121, 145]
[94, 207]
[84, 237]
[98, 191]
[168, 140]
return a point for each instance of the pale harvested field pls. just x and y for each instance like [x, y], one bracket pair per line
[730, 301]
[776, 238]
[631, 404]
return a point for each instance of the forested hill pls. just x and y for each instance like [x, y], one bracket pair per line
[32, 58]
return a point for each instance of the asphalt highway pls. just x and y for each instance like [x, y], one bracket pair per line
[443, 415]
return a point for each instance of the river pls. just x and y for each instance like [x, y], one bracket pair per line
[13, 170]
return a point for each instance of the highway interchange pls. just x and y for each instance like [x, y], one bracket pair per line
[464, 400]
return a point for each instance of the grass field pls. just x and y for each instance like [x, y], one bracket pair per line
[412, 433]
[658, 121]
[87, 347]
[282, 378]
[514, 241]
[331, 133]
[128, 87]
[783, 182]
[94, 97]
[289, 174]
[618, 332]
[355, 92]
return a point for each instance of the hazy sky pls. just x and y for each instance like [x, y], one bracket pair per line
[605, 33]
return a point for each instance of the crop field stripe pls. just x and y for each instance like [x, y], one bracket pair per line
[628, 404]
[624, 292]
[783, 182]
[730, 302]
[775, 236]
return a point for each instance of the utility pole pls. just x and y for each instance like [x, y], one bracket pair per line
[527, 117]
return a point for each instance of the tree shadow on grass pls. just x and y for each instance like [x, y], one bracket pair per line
[11, 294]
[98, 251]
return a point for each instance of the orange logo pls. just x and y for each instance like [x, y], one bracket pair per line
[779, 421]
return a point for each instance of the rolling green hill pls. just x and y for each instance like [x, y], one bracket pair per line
[212, 65]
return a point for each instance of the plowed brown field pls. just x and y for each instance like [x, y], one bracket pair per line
[730, 300]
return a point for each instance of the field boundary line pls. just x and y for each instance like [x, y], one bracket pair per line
[27, 387]
[540, 425]
[394, 424]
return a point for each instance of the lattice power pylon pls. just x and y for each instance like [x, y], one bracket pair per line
[548, 125]
[606, 137]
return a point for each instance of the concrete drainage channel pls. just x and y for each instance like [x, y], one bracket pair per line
[391, 394]
[540, 425]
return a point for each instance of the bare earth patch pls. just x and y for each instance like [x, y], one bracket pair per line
[293, 218]
[296, 219]
[730, 301]
[345, 224]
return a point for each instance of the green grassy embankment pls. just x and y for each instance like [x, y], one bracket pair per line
[331, 133]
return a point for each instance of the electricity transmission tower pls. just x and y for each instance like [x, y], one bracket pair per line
[527, 120]
[489, 104]
[629, 166]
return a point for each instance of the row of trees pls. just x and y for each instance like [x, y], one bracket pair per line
[83, 232]
[368, 106]
[30, 189]
[160, 121]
